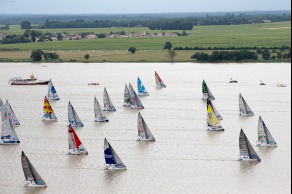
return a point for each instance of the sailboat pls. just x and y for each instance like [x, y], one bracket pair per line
[99, 115]
[49, 114]
[1, 109]
[52, 93]
[144, 134]
[247, 152]
[10, 113]
[218, 115]
[32, 177]
[75, 145]
[207, 94]
[141, 88]
[245, 110]
[112, 160]
[73, 118]
[108, 105]
[159, 82]
[265, 139]
[127, 102]
[134, 99]
[212, 121]
[8, 134]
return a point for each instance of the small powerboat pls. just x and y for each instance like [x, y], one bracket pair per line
[232, 81]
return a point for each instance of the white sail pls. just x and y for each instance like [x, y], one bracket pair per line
[52, 93]
[245, 110]
[108, 105]
[126, 97]
[32, 177]
[8, 134]
[10, 113]
[1, 109]
[75, 145]
[144, 134]
[134, 99]
[98, 113]
[159, 82]
[265, 138]
[112, 160]
[247, 152]
[73, 117]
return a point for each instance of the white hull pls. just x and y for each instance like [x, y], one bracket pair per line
[126, 105]
[246, 115]
[49, 120]
[213, 129]
[143, 94]
[33, 184]
[74, 125]
[145, 140]
[206, 97]
[249, 160]
[8, 142]
[266, 145]
[110, 109]
[137, 108]
[114, 168]
[101, 120]
[71, 152]
[160, 86]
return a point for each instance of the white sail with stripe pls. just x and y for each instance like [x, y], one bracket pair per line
[8, 134]
[73, 117]
[265, 138]
[99, 116]
[134, 99]
[108, 104]
[10, 113]
[244, 109]
[144, 133]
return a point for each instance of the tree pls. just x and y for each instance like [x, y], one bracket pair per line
[266, 55]
[171, 55]
[168, 46]
[25, 25]
[59, 36]
[87, 56]
[36, 55]
[133, 50]
[279, 55]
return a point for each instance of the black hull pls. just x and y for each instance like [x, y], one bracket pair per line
[30, 83]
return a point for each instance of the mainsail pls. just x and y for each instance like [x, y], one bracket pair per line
[98, 113]
[159, 82]
[265, 138]
[108, 105]
[127, 102]
[1, 109]
[32, 177]
[8, 134]
[144, 134]
[218, 115]
[73, 118]
[134, 99]
[75, 145]
[112, 160]
[10, 113]
[207, 94]
[52, 93]
[49, 114]
[141, 88]
[247, 152]
[212, 120]
[245, 110]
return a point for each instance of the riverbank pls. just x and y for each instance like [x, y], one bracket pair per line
[147, 56]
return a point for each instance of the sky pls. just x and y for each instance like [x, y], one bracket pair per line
[137, 6]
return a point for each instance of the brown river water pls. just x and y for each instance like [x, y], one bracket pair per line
[185, 157]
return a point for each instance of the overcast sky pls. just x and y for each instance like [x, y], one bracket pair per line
[137, 6]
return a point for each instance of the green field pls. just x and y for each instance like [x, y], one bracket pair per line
[252, 35]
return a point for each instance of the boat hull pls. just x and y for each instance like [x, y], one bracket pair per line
[114, 168]
[143, 94]
[249, 160]
[8, 142]
[74, 153]
[33, 184]
[49, 120]
[266, 145]
[246, 115]
[29, 83]
[110, 110]
[145, 140]
[101, 120]
[213, 129]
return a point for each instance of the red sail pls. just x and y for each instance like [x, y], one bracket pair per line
[76, 138]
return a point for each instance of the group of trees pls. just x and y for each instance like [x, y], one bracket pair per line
[38, 55]
[226, 56]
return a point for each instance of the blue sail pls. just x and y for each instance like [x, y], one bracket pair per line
[141, 87]
[53, 90]
[109, 158]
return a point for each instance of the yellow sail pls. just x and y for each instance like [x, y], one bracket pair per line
[212, 118]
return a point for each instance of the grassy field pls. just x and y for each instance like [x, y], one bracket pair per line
[150, 48]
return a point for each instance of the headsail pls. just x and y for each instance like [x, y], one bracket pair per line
[52, 93]
[207, 94]
[144, 134]
[244, 109]
[75, 145]
[212, 120]
[32, 177]
[159, 82]
[73, 117]
[141, 88]
[134, 99]
[127, 102]
[265, 138]
[10, 113]
[98, 113]
[8, 134]
[49, 114]
[108, 105]
[112, 160]
[218, 115]
[247, 152]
